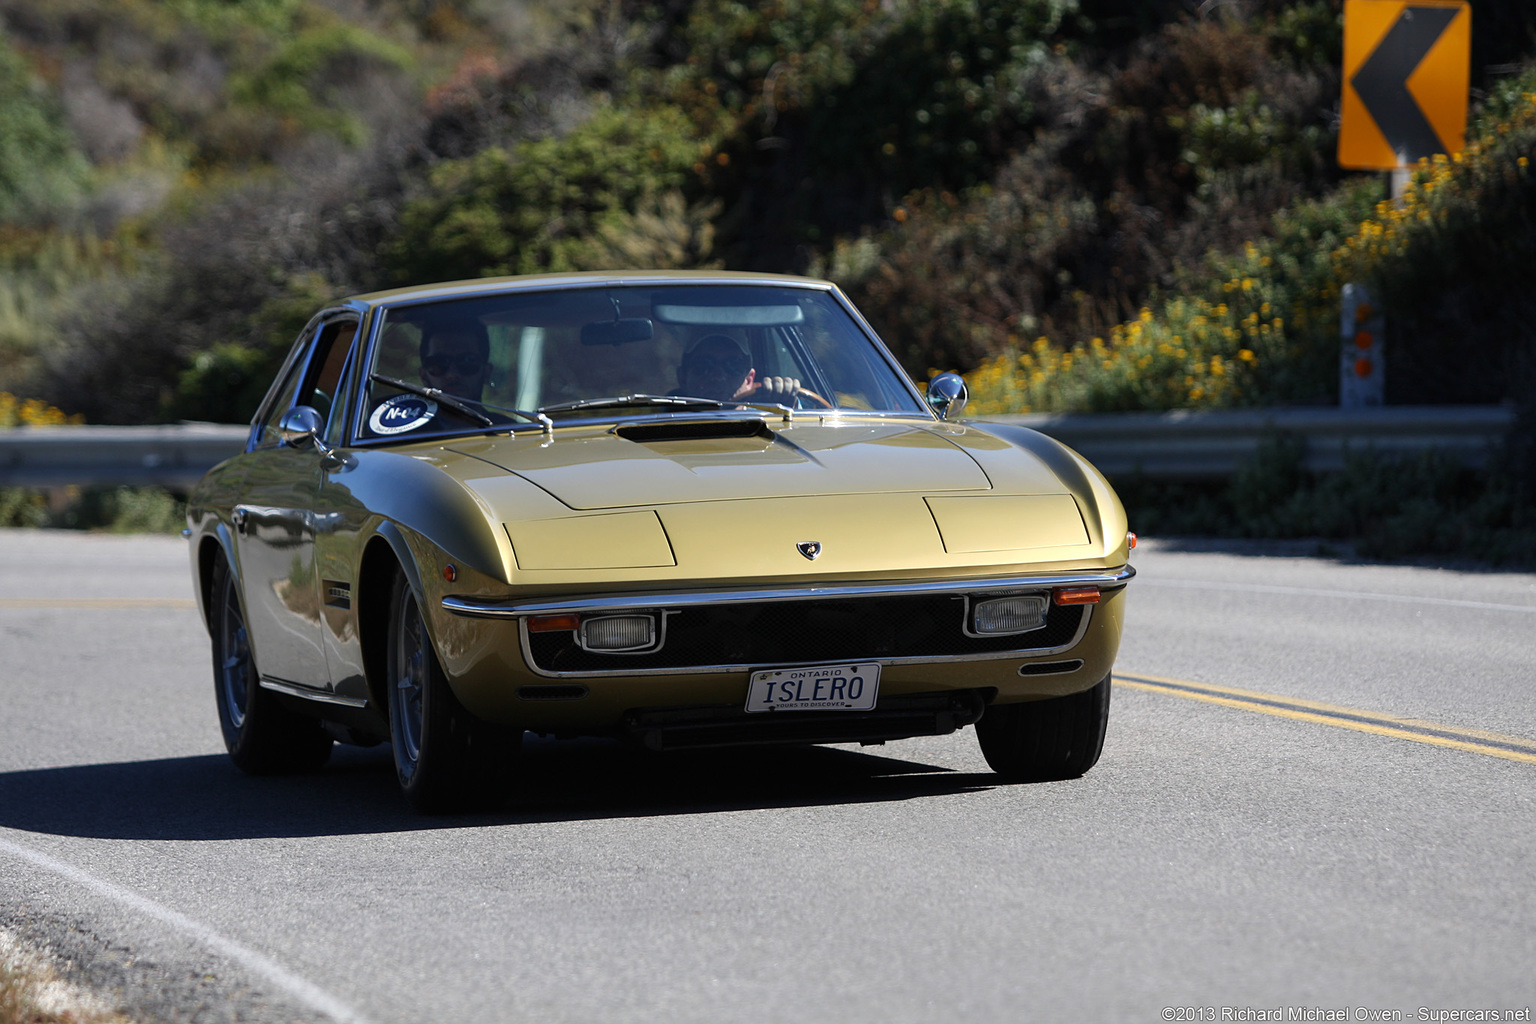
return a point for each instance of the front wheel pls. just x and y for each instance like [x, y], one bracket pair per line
[262, 736]
[445, 758]
[1043, 740]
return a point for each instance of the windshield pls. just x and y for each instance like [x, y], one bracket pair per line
[469, 365]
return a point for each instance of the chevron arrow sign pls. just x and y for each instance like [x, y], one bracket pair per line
[1406, 68]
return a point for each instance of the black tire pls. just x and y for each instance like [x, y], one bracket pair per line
[445, 758]
[1043, 740]
[262, 736]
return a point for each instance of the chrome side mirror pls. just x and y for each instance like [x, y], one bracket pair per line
[300, 426]
[947, 395]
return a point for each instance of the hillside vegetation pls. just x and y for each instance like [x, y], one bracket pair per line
[1082, 204]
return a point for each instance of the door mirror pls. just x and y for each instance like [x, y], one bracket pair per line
[947, 395]
[300, 426]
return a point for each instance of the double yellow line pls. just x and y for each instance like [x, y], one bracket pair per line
[1491, 744]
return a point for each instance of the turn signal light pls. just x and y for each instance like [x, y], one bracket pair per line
[1130, 540]
[1076, 595]
[553, 623]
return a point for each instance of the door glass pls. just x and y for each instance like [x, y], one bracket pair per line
[268, 437]
[314, 380]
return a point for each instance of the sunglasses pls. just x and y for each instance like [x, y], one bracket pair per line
[463, 365]
[734, 366]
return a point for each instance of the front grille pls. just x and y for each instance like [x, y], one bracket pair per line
[777, 632]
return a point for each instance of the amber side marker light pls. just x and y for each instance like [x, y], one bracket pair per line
[552, 623]
[1130, 540]
[1076, 595]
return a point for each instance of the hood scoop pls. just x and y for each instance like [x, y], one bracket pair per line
[694, 430]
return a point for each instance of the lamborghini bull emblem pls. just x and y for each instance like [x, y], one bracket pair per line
[809, 548]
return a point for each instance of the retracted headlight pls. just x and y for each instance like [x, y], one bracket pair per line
[1016, 613]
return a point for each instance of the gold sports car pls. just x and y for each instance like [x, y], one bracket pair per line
[680, 509]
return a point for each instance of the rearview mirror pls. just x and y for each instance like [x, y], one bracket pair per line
[617, 332]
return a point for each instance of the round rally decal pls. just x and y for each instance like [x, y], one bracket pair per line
[401, 413]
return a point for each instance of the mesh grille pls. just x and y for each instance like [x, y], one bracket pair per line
[789, 631]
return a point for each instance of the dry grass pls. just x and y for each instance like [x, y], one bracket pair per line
[31, 992]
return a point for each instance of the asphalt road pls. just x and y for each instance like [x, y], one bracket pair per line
[1319, 791]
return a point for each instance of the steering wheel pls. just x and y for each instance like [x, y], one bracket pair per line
[813, 396]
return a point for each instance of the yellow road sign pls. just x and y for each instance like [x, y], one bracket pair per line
[1406, 72]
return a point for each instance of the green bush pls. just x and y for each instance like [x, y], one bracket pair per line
[109, 509]
[227, 381]
[1461, 313]
[542, 205]
[224, 19]
[1193, 146]
[125, 510]
[22, 507]
[42, 172]
[1388, 508]
[302, 82]
[832, 112]
[1261, 327]
[41, 274]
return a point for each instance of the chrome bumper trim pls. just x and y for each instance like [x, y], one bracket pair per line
[498, 609]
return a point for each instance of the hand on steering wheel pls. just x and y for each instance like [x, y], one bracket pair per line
[779, 388]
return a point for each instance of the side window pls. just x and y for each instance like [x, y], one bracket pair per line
[324, 392]
[267, 436]
[313, 380]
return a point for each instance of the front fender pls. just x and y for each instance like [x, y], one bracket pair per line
[1103, 513]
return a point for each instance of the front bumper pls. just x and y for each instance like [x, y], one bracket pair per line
[499, 675]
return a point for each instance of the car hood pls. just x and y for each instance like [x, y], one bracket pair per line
[877, 497]
[665, 464]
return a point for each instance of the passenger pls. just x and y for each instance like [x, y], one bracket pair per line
[717, 368]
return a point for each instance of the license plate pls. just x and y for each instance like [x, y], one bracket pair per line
[818, 688]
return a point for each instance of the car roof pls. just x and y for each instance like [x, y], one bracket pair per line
[582, 279]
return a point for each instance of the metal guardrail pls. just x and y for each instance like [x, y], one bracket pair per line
[88, 456]
[1212, 444]
[1172, 445]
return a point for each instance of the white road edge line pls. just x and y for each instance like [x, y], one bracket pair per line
[306, 992]
[1262, 588]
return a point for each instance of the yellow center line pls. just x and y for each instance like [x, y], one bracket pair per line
[97, 602]
[1492, 744]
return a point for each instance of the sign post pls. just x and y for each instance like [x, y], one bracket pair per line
[1362, 373]
[1407, 66]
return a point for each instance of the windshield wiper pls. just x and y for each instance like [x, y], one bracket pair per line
[599, 403]
[463, 405]
[684, 401]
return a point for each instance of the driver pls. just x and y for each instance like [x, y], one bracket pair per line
[456, 358]
[717, 368]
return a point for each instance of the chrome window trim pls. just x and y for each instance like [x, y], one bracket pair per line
[303, 352]
[479, 608]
